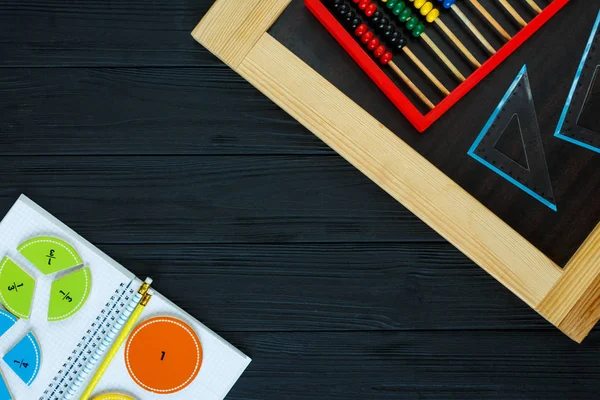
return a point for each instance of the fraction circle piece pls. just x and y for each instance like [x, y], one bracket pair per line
[163, 355]
[7, 320]
[113, 396]
[24, 359]
[68, 294]
[50, 254]
[16, 288]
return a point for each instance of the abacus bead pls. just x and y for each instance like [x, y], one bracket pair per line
[355, 23]
[401, 43]
[376, 17]
[366, 37]
[398, 8]
[433, 15]
[411, 23]
[382, 24]
[350, 16]
[394, 37]
[427, 7]
[405, 15]
[336, 4]
[419, 3]
[379, 51]
[448, 3]
[363, 4]
[373, 43]
[391, 3]
[388, 30]
[361, 30]
[343, 10]
[418, 30]
[386, 58]
[371, 8]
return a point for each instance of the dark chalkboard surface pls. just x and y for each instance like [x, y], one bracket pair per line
[552, 57]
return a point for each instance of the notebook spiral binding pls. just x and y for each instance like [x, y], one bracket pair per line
[85, 354]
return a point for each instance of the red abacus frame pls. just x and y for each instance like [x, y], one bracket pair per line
[420, 121]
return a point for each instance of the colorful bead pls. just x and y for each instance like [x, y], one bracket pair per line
[379, 51]
[386, 58]
[398, 8]
[391, 4]
[427, 7]
[361, 30]
[418, 30]
[363, 4]
[405, 15]
[447, 3]
[371, 8]
[373, 43]
[419, 4]
[366, 37]
[355, 23]
[433, 15]
[411, 23]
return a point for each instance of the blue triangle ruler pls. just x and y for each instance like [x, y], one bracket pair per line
[515, 120]
[580, 120]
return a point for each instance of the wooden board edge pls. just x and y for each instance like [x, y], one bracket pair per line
[573, 304]
[399, 170]
[230, 29]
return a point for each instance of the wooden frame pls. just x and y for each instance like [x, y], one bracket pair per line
[569, 297]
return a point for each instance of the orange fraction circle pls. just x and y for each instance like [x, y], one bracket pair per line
[163, 355]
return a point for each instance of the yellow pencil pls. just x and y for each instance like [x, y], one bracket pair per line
[117, 344]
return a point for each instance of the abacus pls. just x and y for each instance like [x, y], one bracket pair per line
[364, 28]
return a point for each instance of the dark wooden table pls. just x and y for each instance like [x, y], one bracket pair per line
[117, 122]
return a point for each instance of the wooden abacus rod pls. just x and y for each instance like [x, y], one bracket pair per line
[457, 42]
[534, 6]
[426, 71]
[443, 57]
[513, 13]
[478, 35]
[490, 19]
[398, 8]
[411, 85]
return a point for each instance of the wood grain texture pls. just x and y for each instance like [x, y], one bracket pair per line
[230, 29]
[328, 286]
[111, 111]
[573, 304]
[231, 199]
[399, 170]
[417, 365]
[50, 33]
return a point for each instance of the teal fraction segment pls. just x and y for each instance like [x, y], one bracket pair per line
[25, 358]
[521, 81]
[574, 88]
[7, 320]
[4, 392]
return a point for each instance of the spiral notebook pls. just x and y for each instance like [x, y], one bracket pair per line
[63, 303]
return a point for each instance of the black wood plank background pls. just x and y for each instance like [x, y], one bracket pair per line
[118, 123]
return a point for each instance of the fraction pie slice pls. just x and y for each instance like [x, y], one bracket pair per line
[24, 359]
[50, 254]
[16, 288]
[4, 392]
[68, 294]
[163, 355]
[7, 320]
[113, 396]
